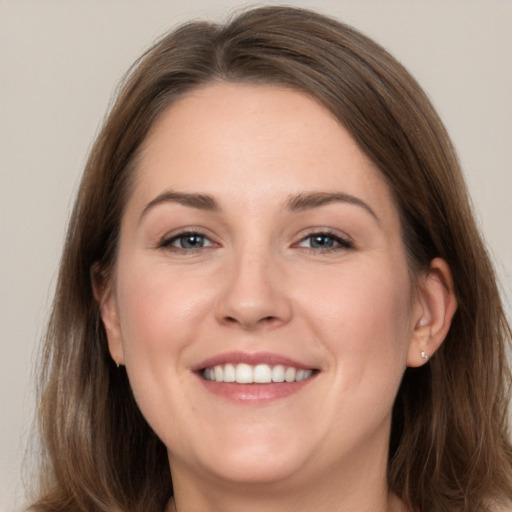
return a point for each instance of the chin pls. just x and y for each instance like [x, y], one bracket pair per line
[252, 459]
[258, 468]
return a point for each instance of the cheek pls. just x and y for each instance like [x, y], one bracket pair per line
[362, 316]
[161, 315]
[160, 310]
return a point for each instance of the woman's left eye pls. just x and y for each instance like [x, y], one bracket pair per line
[325, 242]
[187, 241]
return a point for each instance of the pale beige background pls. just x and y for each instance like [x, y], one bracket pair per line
[60, 61]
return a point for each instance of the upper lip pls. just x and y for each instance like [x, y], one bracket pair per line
[252, 358]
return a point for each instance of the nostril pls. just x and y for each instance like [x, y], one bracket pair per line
[266, 320]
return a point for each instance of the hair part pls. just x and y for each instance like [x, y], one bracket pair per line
[449, 447]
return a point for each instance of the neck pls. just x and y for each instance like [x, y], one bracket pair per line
[361, 487]
[392, 504]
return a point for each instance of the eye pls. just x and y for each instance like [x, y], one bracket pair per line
[189, 240]
[325, 242]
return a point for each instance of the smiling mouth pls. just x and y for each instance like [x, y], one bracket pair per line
[243, 373]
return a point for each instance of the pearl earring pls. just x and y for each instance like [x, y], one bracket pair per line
[424, 356]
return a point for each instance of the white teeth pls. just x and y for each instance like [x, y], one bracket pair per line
[290, 374]
[278, 373]
[229, 373]
[218, 371]
[301, 375]
[261, 374]
[243, 374]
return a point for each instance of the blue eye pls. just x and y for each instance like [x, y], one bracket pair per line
[321, 242]
[189, 240]
[325, 242]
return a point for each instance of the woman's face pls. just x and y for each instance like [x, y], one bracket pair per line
[260, 243]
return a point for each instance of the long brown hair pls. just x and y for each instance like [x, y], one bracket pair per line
[449, 446]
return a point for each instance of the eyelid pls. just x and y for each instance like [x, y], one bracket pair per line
[166, 241]
[344, 242]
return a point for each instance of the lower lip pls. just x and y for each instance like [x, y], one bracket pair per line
[254, 393]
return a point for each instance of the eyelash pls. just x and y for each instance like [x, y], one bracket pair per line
[339, 243]
[167, 243]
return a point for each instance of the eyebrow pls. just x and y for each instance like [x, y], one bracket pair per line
[296, 203]
[198, 201]
[307, 201]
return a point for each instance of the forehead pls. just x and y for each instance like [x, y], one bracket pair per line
[254, 142]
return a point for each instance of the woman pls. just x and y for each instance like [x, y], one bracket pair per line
[273, 294]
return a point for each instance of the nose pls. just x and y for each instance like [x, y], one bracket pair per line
[254, 294]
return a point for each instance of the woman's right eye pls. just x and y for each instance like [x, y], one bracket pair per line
[187, 241]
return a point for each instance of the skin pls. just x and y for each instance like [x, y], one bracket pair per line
[260, 284]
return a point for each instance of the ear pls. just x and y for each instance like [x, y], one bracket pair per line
[435, 305]
[104, 294]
